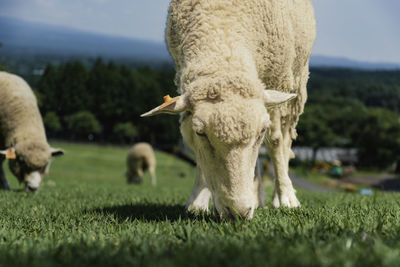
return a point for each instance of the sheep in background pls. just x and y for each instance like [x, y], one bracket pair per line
[22, 135]
[227, 54]
[140, 158]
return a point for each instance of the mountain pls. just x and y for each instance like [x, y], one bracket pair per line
[20, 36]
[338, 62]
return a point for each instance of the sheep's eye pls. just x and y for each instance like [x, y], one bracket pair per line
[42, 169]
[198, 126]
[201, 134]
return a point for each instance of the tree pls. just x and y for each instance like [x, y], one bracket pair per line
[378, 138]
[125, 132]
[315, 131]
[105, 85]
[372, 88]
[82, 125]
[52, 122]
[64, 89]
[71, 88]
[47, 88]
[114, 95]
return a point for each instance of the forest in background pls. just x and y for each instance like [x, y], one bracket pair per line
[102, 102]
[353, 108]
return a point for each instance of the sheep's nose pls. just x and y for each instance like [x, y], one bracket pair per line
[246, 213]
[31, 189]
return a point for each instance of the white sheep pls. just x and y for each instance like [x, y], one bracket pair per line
[227, 54]
[22, 135]
[140, 158]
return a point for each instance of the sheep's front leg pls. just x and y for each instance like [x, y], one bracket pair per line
[284, 194]
[153, 176]
[200, 195]
[3, 180]
[258, 185]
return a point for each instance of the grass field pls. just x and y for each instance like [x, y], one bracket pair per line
[85, 215]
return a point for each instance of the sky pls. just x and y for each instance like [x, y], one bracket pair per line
[365, 30]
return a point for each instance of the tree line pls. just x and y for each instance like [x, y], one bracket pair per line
[372, 88]
[103, 103]
[375, 132]
[352, 108]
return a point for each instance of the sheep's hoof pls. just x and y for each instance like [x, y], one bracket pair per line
[4, 186]
[196, 208]
[285, 199]
[135, 181]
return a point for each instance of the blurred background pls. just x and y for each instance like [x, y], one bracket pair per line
[96, 65]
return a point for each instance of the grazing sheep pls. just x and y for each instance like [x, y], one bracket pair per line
[227, 54]
[22, 135]
[140, 158]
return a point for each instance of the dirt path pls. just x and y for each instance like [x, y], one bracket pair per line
[384, 181]
[303, 183]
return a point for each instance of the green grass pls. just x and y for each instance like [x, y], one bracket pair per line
[85, 215]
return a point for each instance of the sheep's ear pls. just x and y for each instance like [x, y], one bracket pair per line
[56, 152]
[171, 105]
[273, 97]
[9, 153]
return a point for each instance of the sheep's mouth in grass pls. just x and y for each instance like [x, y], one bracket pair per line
[134, 180]
[31, 189]
[230, 214]
[32, 181]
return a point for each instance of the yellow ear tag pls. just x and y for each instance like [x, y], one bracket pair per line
[11, 154]
[168, 101]
[167, 98]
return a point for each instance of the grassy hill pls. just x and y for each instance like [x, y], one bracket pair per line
[85, 215]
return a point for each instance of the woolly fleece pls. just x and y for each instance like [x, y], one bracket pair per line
[21, 124]
[227, 52]
[140, 158]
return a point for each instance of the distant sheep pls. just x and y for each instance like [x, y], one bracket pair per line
[141, 158]
[22, 135]
[227, 54]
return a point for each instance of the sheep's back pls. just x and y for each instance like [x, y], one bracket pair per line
[142, 154]
[206, 36]
[20, 116]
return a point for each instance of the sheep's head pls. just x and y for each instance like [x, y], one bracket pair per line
[30, 162]
[226, 137]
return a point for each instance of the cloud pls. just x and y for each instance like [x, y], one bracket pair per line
[46, 3]
[100, 1]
